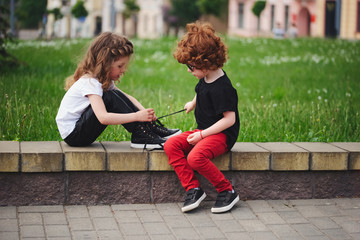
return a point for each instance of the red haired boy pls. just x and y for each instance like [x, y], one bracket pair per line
[217, 117]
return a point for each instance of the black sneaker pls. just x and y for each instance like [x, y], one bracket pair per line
[225, 201]
[193, 199]
[158, 128]
[143, 137]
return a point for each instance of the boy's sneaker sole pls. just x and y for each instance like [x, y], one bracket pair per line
[225, 208]
[194, 205]
[174, 134]
[146, 146]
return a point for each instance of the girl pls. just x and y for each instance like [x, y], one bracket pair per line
[92, 100]
[216, 114]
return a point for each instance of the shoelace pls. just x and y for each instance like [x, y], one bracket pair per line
[160, 126]
[150, 150]
[172, 113]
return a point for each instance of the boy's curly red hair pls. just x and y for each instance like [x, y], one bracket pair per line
[201, 47]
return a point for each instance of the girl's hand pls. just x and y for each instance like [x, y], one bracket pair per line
[146, 115]
[189, 106]
[194, 138]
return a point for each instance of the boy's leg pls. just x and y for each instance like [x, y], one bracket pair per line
[175, 148]
[200, 157]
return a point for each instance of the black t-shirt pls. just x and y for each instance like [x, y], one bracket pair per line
[212, 100]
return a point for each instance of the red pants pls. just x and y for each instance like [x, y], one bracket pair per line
[198, 159]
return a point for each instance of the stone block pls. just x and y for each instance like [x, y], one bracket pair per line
[158, 161]
[325, 156]
[354, 153]
[121, 157]
[89, 158]
[222, 162]
[286, 156]
[32, 189]
[104, 188]
[273, 184]
[249, 157]
[45, 156]
[336, 184]
[9, 156]
[167, 188]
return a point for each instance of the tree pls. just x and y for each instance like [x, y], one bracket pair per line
[6, 60]
[30, 13]
[57, 14]
[257, 8]
[131, 10]
[214, 7]
[79, 10]
[185, 10]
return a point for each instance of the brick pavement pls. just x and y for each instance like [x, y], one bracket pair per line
[256, 219]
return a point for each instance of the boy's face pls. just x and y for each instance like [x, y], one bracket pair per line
[118, 68]
[198, 73]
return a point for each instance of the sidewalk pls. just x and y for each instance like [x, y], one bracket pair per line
[258, 219]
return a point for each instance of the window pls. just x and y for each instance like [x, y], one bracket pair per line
[358, 16]
[272, 16]
[241, 15]
[286, 17]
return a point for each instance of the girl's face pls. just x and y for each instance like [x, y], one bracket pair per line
[118, 68]
[196, 72]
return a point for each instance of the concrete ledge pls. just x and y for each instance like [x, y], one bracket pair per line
[118, 156]
[49, 173]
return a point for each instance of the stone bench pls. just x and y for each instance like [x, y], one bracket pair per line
[51, 172]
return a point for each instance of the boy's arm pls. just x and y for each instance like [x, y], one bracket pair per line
[227, 121]
[189, 106]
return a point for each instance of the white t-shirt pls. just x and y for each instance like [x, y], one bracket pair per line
[75, 102]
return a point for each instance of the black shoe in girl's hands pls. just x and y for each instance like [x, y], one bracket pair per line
[143, 137]
[158, 128]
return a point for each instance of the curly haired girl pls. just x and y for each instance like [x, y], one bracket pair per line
[92, 100]
[216, 114]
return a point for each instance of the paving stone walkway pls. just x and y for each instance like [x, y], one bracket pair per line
[258, 219]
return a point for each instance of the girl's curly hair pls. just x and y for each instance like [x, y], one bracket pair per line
[201, 47]
[106, 49]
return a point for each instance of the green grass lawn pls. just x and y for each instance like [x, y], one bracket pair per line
[289, 90]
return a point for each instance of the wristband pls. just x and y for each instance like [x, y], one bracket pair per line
[201, 135]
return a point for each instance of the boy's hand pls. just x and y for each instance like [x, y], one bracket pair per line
[189, 106]
[146, 115]
[194, 138]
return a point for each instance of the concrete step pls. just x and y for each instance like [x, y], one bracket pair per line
[51, 172]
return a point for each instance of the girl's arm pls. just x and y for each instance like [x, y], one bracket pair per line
[227, 121]
[107, 118]
[189, 106]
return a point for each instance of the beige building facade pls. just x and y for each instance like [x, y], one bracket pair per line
[107, 15]
[314, 18]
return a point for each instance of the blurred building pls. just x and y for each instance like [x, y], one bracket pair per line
[316, 18]
[106, 15]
